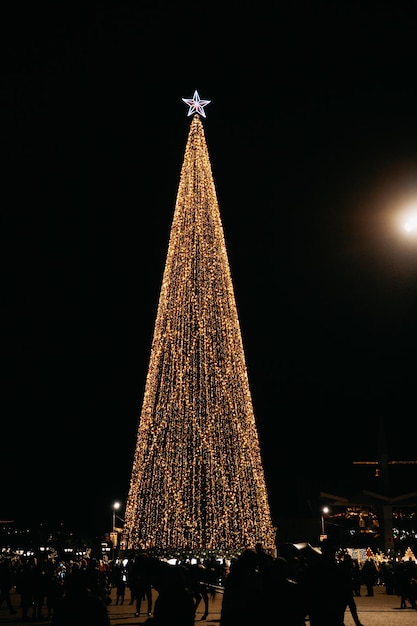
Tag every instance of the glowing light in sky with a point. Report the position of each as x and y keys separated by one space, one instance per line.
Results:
x=410 y=224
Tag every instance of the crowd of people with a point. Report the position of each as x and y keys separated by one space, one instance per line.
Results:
x=78 y=591
x=292 y=588
x=309 y=586
x=50 y=589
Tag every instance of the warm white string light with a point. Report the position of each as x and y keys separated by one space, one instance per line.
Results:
x=197 y=481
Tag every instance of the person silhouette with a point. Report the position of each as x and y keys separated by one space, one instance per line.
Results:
x=79 y=605
x=244 y=597
x=346 y=565
x=140 y=586
x=369 y=575
x=287 y=601
x=24 y=585
x=326 y=589
x=196 y=578
x=6 y=580
x=119 y=580
x=174 y=604
x=356 y=577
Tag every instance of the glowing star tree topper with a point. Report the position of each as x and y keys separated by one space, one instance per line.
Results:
x=196 y=104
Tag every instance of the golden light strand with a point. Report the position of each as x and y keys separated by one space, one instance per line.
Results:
x=197 y=481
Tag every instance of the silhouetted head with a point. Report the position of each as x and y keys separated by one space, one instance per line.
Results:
x=281 y=568
x=248 y=559
x=328 y=549
x=75 y=581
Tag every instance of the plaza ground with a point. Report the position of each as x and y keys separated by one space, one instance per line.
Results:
x=380 y=610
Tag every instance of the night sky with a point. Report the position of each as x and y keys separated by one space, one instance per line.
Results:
x=312 y=135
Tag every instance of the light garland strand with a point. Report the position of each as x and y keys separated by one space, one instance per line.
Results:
x=197 y=481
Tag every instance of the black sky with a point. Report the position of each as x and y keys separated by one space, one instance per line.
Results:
x=312 y=135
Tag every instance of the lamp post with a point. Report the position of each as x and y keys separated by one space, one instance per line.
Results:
x=324 y=512
x=116 y=507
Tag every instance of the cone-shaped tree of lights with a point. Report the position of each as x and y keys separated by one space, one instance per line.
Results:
x=197 y=481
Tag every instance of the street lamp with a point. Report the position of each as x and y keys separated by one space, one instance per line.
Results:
x=324 y=512
x=116 y=507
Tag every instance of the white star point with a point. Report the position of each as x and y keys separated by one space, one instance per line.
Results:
x=196 y=105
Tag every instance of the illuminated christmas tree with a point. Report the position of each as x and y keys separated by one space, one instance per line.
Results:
x=197 y=481
x=409 y=555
